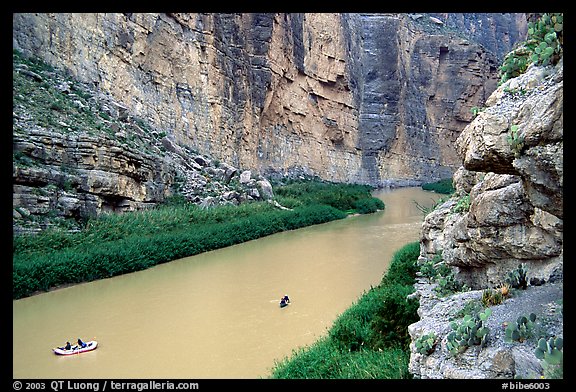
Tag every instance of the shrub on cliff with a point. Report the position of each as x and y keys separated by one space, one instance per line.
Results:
x=544 y=46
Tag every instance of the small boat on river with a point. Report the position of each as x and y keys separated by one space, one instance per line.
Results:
x=284 y=301
x=91 y=345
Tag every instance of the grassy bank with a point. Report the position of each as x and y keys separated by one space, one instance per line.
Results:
x=116 y=244
x=443 y=186
x=368 y=340
x=350 y=198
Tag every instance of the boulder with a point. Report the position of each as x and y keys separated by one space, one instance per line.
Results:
x=245 y=177
x=506 y=211
x=265 y=189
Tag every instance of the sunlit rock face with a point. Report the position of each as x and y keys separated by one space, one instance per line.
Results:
x=507 y=211
x=369 y=98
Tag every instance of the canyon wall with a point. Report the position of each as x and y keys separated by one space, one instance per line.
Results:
x=507 y=212
x=368 y=98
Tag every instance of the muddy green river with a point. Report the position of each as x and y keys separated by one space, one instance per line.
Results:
x=216 y=315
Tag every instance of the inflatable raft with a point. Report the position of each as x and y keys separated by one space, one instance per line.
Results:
x=91 y=345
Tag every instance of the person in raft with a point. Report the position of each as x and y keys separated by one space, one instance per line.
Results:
x=81 y=344
x=66 y=347
x=286 y=299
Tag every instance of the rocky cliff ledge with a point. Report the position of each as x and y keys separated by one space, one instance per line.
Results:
x=369 y=98
x=507 y=211
x=78 y=153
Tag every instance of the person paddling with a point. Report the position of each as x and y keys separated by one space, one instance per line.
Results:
x=284 y=301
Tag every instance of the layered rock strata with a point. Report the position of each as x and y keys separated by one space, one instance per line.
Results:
x=370 y=98
x=515 y=194
x=77 y=154
x=507 y=211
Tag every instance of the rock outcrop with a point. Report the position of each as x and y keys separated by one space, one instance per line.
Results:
x=369 y=98
x=499 y=358
x=515 y=206
x=507 y=210
x=77 y=154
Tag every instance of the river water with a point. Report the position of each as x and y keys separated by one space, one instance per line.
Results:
x=216 y=315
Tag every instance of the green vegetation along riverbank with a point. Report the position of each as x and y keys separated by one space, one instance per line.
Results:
x=115 y=244
x=443 y=186
x=368 y=340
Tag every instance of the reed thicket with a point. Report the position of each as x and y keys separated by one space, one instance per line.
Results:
x=114 y=244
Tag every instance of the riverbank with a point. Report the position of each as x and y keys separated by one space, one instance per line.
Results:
x=121 y=243
x=216 y=315
x=370 y=339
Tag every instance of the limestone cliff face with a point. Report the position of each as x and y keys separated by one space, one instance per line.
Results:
x=416 y=91
x=515 y=194
x=77 y=154
x=365 y=98
x=496 y=32
x=507 y=210
x=254 y=90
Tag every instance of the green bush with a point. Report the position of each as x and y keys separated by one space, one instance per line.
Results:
x=444 y=186
x=428 y=271
x=436 y=270
x=368 y=205
x=463 y=204
x=288 y=202
x=324 y=360
x=378 y=320
x=381 y=316
x=109 y=227
x=491 y=297
x=403 y=267
x=390 y=323
x=426 y=343
x=344 y=197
